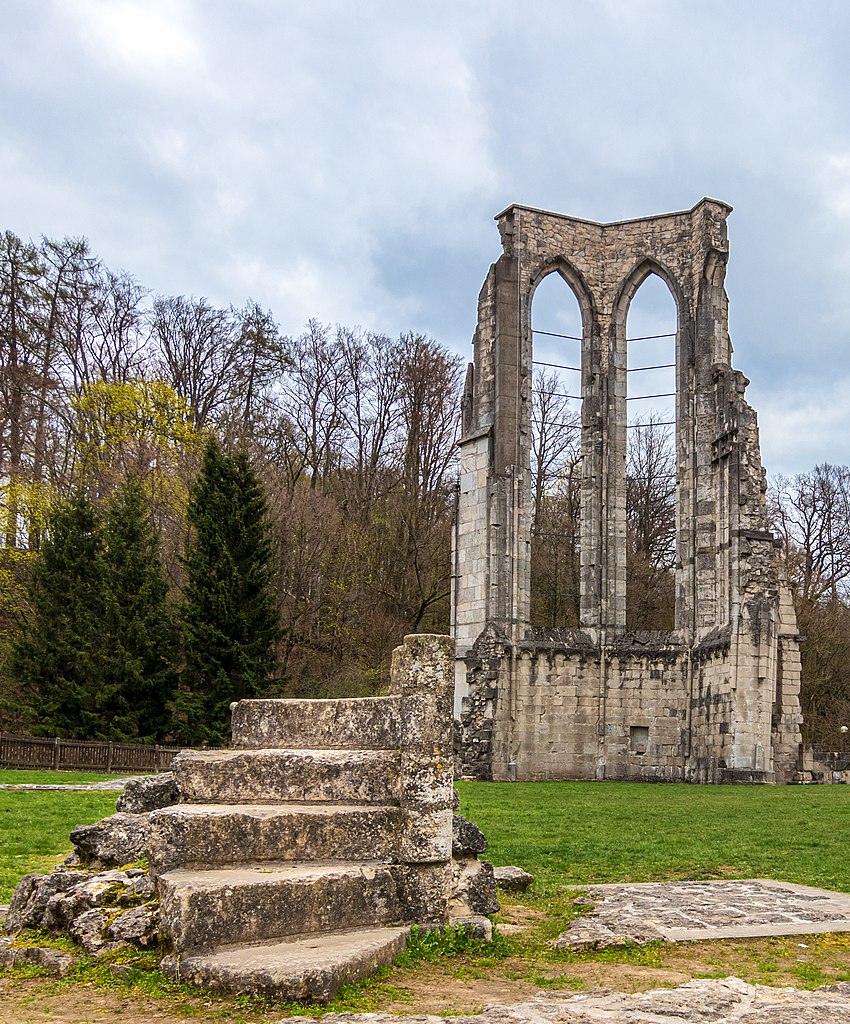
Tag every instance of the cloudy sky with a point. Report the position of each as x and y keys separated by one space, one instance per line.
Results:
x=344 y=160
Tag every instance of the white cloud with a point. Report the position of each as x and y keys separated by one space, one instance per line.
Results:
x=147 y=38
x=831 y=180
x=345 y=160
x=802 y=427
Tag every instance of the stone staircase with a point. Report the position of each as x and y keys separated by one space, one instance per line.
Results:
x=299 y=859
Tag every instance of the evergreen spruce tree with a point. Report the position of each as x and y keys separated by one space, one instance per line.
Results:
x=141 y=638
x=59 y=655
x=230 y=617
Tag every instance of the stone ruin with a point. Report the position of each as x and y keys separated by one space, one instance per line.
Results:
x=289 y=864
x=718 y=698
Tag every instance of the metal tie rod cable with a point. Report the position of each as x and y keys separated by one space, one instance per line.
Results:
x=559 y=366
x=650 y=337
x=556 y=394
x=656 y=423
x=640 y=398
x=553 y=334
x=572 y=337
x=577 y=369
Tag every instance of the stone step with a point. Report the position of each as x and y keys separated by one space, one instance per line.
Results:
x=275 y=776
x=219 y=835
x=206 y=909
x=310 y=969
x=351 y=723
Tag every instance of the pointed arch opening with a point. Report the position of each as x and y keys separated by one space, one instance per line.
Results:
x=557 y=330
x=651 y=329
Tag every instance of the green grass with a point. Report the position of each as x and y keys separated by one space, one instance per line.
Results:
x=46 y=777
x=586 y=832
x=566 y=833
x=34 y=828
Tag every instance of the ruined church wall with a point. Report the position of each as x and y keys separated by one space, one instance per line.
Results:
x=719 y=699
x=712 y=712
x=470 y=542
x=547 y=713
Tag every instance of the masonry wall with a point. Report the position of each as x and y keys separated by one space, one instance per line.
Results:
x=645 y=709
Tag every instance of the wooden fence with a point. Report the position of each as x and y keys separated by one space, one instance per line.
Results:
x=86 y=755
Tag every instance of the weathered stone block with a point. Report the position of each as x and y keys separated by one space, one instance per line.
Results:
x=148 y=793
x=466 y=837
x=268 y=776
x=33 y=893
x=209 y=835
x=355 y=723
x=112 y=842
x=207 y=909
x=299 y=969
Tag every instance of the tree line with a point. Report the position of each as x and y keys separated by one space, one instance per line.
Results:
x=110 y=398
x=810 y=513
x=350 y=436
x=102 y=651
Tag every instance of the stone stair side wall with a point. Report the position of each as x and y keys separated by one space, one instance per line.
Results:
x=423 y=674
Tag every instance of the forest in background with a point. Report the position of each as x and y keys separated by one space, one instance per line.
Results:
x=350 y=434
x=352 y=438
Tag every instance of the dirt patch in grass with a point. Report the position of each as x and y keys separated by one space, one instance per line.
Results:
x=429 y=990
x=29 y=1001
x=464 y=984
x=469 y=991
x=41 y=1001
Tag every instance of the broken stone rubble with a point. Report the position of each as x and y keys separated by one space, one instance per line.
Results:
x=52 y=960
x=112 y=842
x=513 y=879
x=99 y=911
x=148 y=793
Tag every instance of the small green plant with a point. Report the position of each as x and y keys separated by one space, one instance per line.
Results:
x=437 y=944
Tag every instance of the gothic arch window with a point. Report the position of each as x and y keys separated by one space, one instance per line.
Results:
x=556 y=408
x=651 y=327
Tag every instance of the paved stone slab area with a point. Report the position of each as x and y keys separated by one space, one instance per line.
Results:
x=684 y=911
x=698 y=1002
x=109 y=784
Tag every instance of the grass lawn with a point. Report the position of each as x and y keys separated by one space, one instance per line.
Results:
x=585 y=832
x=46 y=777
x=566 y=833
x=34 y=827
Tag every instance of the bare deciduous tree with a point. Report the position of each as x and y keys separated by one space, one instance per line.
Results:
x=650 y=526
x=556 y=503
